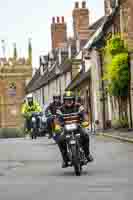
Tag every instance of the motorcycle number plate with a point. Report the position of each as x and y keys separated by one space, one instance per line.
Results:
x=71 y=127
x=72 y=142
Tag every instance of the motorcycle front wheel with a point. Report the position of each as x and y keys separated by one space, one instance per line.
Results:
x=33 y=134
x=76 y=161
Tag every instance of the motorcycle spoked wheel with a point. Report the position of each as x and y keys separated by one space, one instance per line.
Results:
x=33 y=134
x=76 y=161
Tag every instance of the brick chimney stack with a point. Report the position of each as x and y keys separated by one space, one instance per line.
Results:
x=63 y=20
x=53 y=20
x=84 y=4
x=76 y=4
x=58 y=20
x=58 y=32
x=81 y=21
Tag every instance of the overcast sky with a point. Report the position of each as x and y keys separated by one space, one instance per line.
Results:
x=20 y=20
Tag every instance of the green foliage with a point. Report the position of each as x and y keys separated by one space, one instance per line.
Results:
x=118 y=75
x=120 y=123
x=116 y=45
x=11 y=133
x=116 y=72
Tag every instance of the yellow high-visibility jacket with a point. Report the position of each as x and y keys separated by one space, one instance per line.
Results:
x=28 y=110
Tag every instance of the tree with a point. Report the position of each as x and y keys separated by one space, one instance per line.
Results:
x=117 y=73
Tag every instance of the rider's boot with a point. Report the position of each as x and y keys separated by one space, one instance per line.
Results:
x=88 y=155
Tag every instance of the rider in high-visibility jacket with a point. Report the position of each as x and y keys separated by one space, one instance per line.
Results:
x=28 y=108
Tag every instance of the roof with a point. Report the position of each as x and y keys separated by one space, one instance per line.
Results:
x=82 y=76
x=39 y=81
x=98 y=37
x=97 y=24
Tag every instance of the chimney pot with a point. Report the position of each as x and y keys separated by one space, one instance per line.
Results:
x=58 y=20
x=83 y=4
x=76 y=4
x=53 y=20
x=63 y=20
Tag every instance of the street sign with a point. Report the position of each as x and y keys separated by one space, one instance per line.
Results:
x=12 y=89
x=11 y=92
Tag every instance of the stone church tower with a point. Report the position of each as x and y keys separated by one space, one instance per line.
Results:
x=15 y=73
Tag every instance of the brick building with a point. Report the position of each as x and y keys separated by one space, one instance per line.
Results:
x=15 y=73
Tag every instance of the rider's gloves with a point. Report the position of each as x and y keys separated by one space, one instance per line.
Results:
x=85 y=124
x=57 y=128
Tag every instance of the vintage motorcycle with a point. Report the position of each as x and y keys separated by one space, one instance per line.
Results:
x=75 y=152
x=35 y=124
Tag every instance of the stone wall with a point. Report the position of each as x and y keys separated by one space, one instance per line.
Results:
x=12 y=93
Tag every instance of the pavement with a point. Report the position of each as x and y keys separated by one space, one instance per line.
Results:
x=124 y=135
x=31 y=169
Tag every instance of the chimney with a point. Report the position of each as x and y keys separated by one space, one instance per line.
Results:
x=83 y=4
x=81 y=21
x=53 y=20
x=58 y=20
x=58 y=32
x=76 y=4
x=63 y=20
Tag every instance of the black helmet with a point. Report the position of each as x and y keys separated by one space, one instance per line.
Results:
x=56 y=97
x=69 y=95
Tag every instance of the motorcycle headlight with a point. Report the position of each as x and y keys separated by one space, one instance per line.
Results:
x=33 y=119
x=43 y=119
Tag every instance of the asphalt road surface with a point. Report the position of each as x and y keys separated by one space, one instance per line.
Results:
x=31 y=170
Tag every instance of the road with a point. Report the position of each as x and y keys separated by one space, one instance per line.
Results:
x=31 y=170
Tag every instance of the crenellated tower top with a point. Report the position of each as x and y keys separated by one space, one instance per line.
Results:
x=15 y=60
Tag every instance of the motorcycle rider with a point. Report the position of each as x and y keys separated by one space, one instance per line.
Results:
x=50 y=111
x=70 y=106
x=28 y=107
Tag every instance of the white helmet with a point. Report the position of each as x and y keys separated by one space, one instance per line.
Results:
x=29 y=96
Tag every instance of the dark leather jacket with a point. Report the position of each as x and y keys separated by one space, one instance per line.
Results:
x=75 y=108
x=52 y=109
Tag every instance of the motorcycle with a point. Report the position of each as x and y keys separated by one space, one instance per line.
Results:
x=43 y=125
x=35 y=124
x=72 y=135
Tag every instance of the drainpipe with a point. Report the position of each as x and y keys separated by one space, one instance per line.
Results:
x=129 y=91
x=90 y=105
x=103 y=91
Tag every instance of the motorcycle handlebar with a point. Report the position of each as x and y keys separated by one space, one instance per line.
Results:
x=70 y=114
x=37 y=114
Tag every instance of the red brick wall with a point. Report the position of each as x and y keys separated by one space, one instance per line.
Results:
x=81 y=22
x=58 y=33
